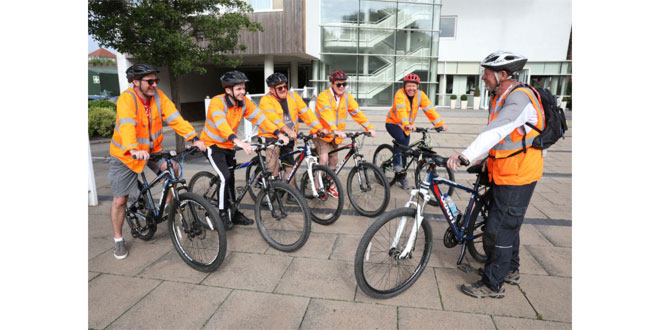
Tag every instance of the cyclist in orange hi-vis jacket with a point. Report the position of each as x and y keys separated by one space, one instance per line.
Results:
x=224 y=115
x=400 y=121
x=332 y=107
x=141 y=111
x=283 y=108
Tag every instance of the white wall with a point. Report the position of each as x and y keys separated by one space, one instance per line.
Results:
x=537 y=29
x=312 y=28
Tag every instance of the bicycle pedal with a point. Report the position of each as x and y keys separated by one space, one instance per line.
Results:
x=465 y=268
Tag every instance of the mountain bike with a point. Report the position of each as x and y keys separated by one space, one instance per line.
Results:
x=366 y=185
x=284 y=227
x=384 y=155
x=194 y=225
x=393 y=252
x=324 y=209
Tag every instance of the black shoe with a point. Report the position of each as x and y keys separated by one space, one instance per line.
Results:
x=291 y=200
x=480 y=290
x=240 y=219
x=224 y=217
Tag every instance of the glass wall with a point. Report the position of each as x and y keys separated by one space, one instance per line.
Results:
x=377 y=43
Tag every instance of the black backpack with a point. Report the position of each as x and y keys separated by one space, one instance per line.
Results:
x=555 y=120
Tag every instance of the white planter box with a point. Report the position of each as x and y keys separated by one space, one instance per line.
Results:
x=476 y=102
x=452 y=104
x=463 y=104
x=563 y=105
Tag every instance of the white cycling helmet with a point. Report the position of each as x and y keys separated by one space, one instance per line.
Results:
x=506 y=61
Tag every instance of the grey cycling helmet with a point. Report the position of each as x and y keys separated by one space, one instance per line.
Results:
x=275 y=79
x=232 y=78
x=502 y=60
x=139 y=70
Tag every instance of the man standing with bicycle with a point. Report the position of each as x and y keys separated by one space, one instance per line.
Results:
x=224 y=115
x=141 y=111
x=283 y=109
x=400 y=120
x=513 y=165
x=332 y=107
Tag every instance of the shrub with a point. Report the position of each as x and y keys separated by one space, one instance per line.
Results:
x=464 y=97
x=102 y=104
x=477 y=92
x=453 y=97
x=101 y=121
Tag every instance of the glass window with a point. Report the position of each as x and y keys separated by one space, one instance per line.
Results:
x=374 y=94
x=376 y=68
x=338 y=39
x=339 y=11
x=448 y=27
x=346 y=63
x=376 y=41
x=417 y=43
x=265 y=4
x=378 y=14
x=412 y=16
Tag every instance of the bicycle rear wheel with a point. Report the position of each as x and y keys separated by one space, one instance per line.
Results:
x=324 y=209
x=378 y=270
x=368 y=190
x=383 y=157
x=196 y=232
x=137 y=218
x=442 y=172
x=205 y=184
x=285 y=227
x=477 y=226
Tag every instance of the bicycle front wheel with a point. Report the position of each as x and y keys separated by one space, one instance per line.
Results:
x=196 y=232
x=442 y=172
x=283 y=217
x=324 y=208
x=205 y=184
x=380 y=270
x=476 y=227
x=383 y=157
x=368 y=190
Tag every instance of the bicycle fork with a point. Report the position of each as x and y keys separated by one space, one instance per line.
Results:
x=419 y=217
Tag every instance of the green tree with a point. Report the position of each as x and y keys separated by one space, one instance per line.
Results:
x=181 y=35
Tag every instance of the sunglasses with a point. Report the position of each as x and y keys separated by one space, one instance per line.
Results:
x=282 y=88
x=151 y=81
x=341 y=84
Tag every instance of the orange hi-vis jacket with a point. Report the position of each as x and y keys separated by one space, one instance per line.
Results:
x=333 y=117
x=403 y=113
x=297 y=108
x=134 y=130
x=527 y=165
x=223 y=118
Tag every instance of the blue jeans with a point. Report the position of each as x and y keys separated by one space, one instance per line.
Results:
x=502 y=234
x=401 y=138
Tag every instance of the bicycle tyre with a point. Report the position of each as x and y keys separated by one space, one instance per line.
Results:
x=204 y=246
x=420 y=172
x=253 y=167
x=383 y=160
x=140 y=228
x=275 y=236
x=476 y=226
x=204 y=184
x=368 y=250
x=378 y=180
x=320 y=215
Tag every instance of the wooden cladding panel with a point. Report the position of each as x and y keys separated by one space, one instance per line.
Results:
x=284 y=31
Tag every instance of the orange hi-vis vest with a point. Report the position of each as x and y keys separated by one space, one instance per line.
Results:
x=297 y=108
x=333 y=117
x=508 y=163
x=403 y=113
x=223 y=118
x=134 y=130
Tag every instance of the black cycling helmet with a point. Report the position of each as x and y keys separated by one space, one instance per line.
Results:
x=139 y=70
x=232 y=78
x=506 y=61
x=275 y=79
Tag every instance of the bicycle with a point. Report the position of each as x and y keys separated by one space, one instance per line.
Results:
x=285 y=228
x=384 y=155
x=194 y=226
x=322 y=207
x=364 y=194
x=393 y=252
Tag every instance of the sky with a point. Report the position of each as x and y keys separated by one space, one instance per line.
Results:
x=92 y=45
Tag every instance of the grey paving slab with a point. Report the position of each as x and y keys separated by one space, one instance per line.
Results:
x=318 y=245
x=192 y=307
x=530 y=236
x=550 y=296
x=140 y=255
x=329 y=314
x=553 y=211
x=529 y=264
x=557 y=261
x=255 y=310
x=423 y=293
x=92 y=275
x=246 y=240
x=558 y=236
x=346 y=224
x=453 y=299
x=413 y=318
x=109 y=296
x=249 y=271
x=171 y=267
x=96 y=246
x=329 y=279
x=345 y=247
x=511 y=323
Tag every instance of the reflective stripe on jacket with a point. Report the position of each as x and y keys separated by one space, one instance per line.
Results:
x=402 y=113
x=223 y=118
x=134 y=130
x=297 y=107
x=524 y=167
x=334 y=118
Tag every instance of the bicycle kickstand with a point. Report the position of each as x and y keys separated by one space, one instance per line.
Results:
x=467 y=268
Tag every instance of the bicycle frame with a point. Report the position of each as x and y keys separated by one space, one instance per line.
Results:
x=145 y=189
x=421 y=142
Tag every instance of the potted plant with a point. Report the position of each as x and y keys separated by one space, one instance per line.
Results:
x=452 y=102
x=477 y=99
x=464 y=100
x=564 y=102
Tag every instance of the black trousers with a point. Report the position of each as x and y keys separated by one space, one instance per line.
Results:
x=502 y=235
x=220 y=160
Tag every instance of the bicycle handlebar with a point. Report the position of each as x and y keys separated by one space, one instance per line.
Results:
x=171 y=154
x=356 y=134
x=428 y=129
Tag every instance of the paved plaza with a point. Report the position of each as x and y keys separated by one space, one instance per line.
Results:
x=258 y=287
